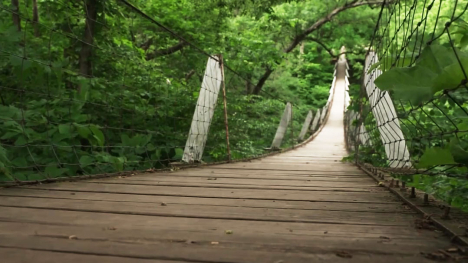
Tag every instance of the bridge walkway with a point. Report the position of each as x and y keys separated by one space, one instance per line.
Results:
x=303 y=205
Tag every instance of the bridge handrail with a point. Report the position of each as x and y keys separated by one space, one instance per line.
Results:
x=407 y=123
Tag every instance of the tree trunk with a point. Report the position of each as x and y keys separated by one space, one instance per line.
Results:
x=262 y=81
x=16 y=14
x=189 y=75
x=248 y=84
x=37 y=33
x=166 y=51
x=88 y=39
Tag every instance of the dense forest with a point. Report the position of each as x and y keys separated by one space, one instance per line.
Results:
x=94 y=86
x=102 y=86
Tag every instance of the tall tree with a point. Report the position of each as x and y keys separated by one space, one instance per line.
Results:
x=36 y=19
x=16 y=14
x=91 y=11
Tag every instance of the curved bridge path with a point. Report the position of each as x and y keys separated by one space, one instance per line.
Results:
x=300 y=206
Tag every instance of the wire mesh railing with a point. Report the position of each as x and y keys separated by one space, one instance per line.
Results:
x=76 y=100
x=411 y=116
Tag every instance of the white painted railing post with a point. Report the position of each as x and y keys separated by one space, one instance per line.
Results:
x=386 y=117
x=204 y=111
x=305 y=126
x=282 y=127
x=323 y=114
x=359 y=133
x=315 y=122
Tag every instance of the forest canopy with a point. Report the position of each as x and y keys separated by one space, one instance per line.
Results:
x=100 y=86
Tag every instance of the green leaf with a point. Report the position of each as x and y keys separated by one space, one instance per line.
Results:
x=83 y=131
x=20 y=162
x=140 y=150
x=21 y=140
x=97 y=134
x=412 y=84
x=464 y=40
x=374 y=66
x=179 y=152
x=53 y=171
x=58 y=137
x=386 y=64
x=156 y=156
x=463 y=126
x=435 y=156
x=13 y=35
x=429 y=75
x=125 y=139
x=459 y=154
x=16 y=60
x=84 y=89
x=119 y=163
x=9 y=135
x=451 y=76
x=86 y=160
x=76 y=117
x=65 y=129
x=3 y=156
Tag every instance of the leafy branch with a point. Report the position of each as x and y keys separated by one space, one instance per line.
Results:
x=314 y=27
x=330 y=51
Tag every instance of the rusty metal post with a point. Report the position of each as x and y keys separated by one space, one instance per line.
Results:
x=228 y=147
x=413 y=192
x=426 y=199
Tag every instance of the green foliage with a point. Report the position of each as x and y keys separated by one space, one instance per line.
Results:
x=452 y=190
x=131 y=107
x=425 y=74
x=436 y=156
x=437 y=68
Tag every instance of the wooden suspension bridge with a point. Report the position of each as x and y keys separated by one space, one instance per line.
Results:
x=304 y=205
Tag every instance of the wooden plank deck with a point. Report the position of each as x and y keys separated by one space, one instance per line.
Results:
x=300 y=206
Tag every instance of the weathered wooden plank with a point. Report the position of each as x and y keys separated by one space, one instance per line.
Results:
x=371 y=197
x=325 y=242
x=240 y=186
x=240 y=182
x=285 y=159
x=218 y=212
x=216 y=225
x=193 y=252
x=288 y=167
x=336 y=178
x=389 y=207
x=267 y=173
x=13 y=255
